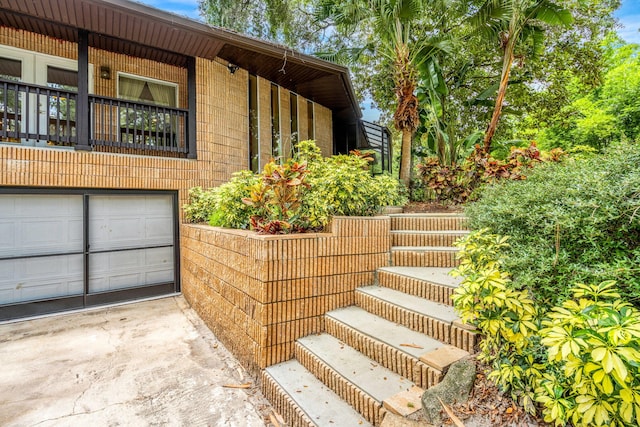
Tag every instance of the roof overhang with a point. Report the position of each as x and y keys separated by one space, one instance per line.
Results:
x=139 y=30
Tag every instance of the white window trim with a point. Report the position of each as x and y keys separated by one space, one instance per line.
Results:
x=34 y=64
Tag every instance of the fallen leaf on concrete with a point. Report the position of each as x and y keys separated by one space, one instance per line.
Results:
x=411 y=345
x=274 y=420
x=245 y=385
x=449 y=412
x=278 y=417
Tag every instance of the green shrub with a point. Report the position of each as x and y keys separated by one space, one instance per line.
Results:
x=343 y=185
x=506 y=317
x=578 y=221
x=287 y=199
x=593 y=344
x=201 y=204
x=222 y=206
x=580 y=360
x=277 y=199
x=459 y=183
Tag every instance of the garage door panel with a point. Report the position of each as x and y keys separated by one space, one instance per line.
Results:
x=120 y=222
x=45 y=267
x=118 y=270
x=38 y=224
x=29 y=279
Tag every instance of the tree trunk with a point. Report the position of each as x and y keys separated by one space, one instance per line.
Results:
x=405 y=159
x=502 y=90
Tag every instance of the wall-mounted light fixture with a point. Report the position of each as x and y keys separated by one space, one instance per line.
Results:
x=232 y=68
x=105 y=72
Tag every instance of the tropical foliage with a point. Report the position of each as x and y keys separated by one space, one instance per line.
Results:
x=575 y=221
x=300 y=195
x=391 y=27
x=575 y=363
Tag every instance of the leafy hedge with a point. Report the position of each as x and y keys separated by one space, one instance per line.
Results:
x=300 y=195
x=577 y=221
x=575 y=363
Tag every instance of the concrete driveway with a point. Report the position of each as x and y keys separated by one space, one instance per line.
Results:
x=143 y=364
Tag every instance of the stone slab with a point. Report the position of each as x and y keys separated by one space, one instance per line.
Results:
x=405 y=403
x=441 y=358
x=390 y=333
x=375 y=380
x=435 y=275
x=442 y=312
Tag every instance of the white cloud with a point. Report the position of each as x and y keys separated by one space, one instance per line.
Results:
x=629 y=31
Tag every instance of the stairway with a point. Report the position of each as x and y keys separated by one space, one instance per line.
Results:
x=382 y=353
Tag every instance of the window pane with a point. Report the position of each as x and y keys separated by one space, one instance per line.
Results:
x=254 y=147
x=10 y=100
x=60 y=78
x=293 y=101
x=10 y=69
x=310 y=120
x=276 y=143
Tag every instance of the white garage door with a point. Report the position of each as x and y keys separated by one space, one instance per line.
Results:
x=62 y=251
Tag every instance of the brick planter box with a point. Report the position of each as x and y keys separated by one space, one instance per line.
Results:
x=260 y=293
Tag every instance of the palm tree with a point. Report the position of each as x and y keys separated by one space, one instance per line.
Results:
x=390 y=22
x=514 y=22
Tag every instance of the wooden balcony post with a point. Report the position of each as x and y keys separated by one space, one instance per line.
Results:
x=82 y=103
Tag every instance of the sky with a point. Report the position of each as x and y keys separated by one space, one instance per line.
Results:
x=628 y=16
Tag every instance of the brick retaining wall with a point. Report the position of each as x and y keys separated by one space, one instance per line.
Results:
x=260 y=293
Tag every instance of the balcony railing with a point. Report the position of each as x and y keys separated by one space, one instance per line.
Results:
x=31 y=114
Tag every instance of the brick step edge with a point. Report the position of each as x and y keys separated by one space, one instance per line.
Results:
x=372 y=410
x=448 y=333
x=391 y=358
x=283 y=403
x=433 y=258
x=422 y=239
x=416 y=287
x=428 y=223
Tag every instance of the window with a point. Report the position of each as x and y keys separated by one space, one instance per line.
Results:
x=310 y=121
x=62 y=110
x=254 y=142
x=49 y=114
x=145 y=90
x=148 y=124
x=10 y=100
x=293 y=101
x=276 y=143
x=10 y=69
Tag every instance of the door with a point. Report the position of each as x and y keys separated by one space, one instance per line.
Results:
x=82 y=248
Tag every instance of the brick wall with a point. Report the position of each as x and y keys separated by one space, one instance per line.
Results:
x=260 y=293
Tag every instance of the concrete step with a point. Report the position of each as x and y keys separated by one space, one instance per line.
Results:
x=366 y=385
x=394 y=346
x=426 y=238
x=303 y=400
x=424 y=256
x=428 y=222
x=436 y=320
x=432 y=283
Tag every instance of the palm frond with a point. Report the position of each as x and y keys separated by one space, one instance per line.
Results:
x=536 y=34
x=344 y=56
x=492 y=16
x=549 y=13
